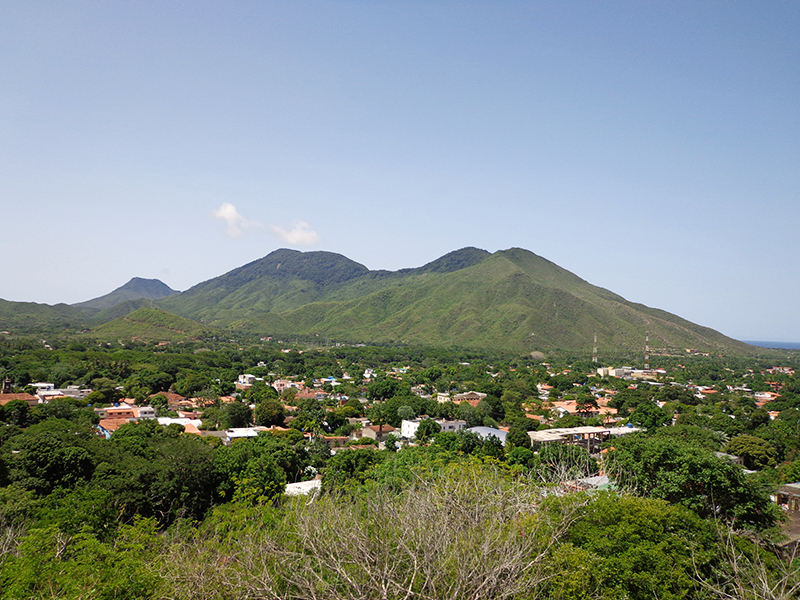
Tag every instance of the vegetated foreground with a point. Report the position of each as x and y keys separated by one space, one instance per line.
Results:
x=156 y=512
x=464 y=530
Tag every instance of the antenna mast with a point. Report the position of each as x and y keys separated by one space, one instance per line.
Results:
x=594 y=352
x=647 y=351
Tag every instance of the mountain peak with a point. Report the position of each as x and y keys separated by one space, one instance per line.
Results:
x=456 y=260
x=137 y=288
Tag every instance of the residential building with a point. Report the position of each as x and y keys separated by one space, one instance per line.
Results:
x=472 y=398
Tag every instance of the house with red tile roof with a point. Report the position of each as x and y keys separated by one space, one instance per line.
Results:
x=472 y=398
x=30 y=399
x=376 y=432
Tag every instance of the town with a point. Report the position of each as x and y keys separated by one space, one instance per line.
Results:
x=176 y=435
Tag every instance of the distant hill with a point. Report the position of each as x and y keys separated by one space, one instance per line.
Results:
x=30 y=317
x=136 y=289
x=150 y=324
x=511 y=299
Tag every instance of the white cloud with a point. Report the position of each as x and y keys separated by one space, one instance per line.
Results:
x=300 y=234
x=235 y=224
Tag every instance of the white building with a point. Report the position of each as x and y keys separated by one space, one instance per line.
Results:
x=408 y=427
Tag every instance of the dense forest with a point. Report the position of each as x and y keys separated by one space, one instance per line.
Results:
x=154 y=512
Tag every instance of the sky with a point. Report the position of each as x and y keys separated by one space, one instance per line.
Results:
x=651 y=148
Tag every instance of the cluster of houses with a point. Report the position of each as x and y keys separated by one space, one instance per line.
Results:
x=188 y=410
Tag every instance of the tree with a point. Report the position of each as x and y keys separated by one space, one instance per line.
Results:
x=382 y=389
x=648 y=415
x=16 y=413
x=755 y=452
x=683 y=474
x=237 y=414
x=269 y=412
x=563 y=462
x=426 y=430
x=350 y=467
x=53 y=453
x=262 y=481
x=586 y=401
x=406 y=412
x=191 y=384
x=160 y=404
x=391 y=442
x=629 y=547
x=108 y=388
x=517 y=438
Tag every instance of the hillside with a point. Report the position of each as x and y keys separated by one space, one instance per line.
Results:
x=149 y=324
x=282 y=280
x=511 y=299
x=30 y=317
x=136 y=289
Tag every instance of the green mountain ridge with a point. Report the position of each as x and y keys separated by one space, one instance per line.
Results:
x=30 y=317
x=511 y=299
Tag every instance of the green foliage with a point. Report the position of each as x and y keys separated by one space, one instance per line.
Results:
x=756 y=452
x=269 y=412
x=692 y=477
x=691 y=434
x=16 y=413
x=627 y=547
x=150 y=324
x=426 y=430
x=51 y=454
x=236 y=414
x=349 y=468
x=517 y=438
x=52 y=564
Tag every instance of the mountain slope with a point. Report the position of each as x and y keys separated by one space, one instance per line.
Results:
x=513 y=299
x=150 y=324
x=30 y=317
x=282 y=280
x=136 y=289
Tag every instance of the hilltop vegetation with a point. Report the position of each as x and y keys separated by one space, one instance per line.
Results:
x=151 y=324
x=32 y=318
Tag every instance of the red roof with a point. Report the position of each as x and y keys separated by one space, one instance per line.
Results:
x=6 y=398
x=112 y=424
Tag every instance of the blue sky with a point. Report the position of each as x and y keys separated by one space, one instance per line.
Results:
x=652 y=148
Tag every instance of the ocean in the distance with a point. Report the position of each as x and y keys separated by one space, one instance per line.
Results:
x=781 y=345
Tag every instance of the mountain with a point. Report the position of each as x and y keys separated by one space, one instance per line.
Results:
x=511 y=299
x=136 y=289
